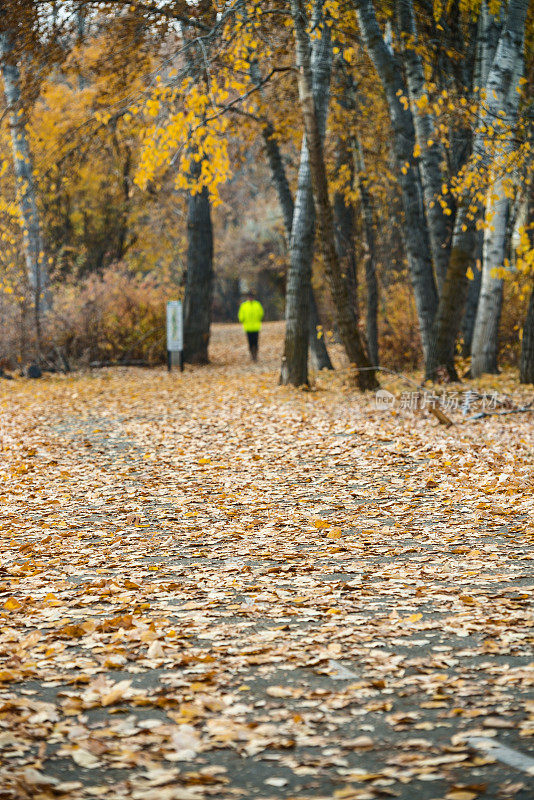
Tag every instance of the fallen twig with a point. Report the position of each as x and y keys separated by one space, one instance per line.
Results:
x=131 y=362
x=483 y=414
x=440 y=416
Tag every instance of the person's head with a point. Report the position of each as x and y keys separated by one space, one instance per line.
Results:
x=250 y=296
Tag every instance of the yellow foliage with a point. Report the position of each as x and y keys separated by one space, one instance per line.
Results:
x=193 y=135
x=525 y=250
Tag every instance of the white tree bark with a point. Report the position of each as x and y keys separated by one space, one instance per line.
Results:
x=345 y=314
x=485 y=335
x=371 y=316
x=317 y=343
x=456 y=290
x=500 y=96
x=26 y=190
x=415 y=226
x=432 y=156
x=295 y=359
x=489 y=30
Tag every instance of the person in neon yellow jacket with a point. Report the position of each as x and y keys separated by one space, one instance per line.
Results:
x=250 y=316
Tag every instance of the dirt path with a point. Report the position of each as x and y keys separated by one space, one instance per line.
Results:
x=215 y=587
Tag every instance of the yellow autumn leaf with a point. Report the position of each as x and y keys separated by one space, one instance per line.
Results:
x=116 y=693
x=467 y=599
x=12 y=604
x=334 y=534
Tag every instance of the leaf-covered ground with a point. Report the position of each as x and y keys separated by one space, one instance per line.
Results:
x=216 y=587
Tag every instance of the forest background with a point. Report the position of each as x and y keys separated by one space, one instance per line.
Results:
x=364 y=166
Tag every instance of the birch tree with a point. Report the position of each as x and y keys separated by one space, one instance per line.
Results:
x=489 y=28
x=415 y=227
x=432 y=156
x=500 y=66
x=456 y=291
x=501 y=103
x=36 y=267
x=285 y=198
x=294 y=368
x=371 y=316
x=526 y=363
x=345 y=314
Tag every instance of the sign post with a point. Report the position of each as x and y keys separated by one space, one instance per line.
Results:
x=175 y=333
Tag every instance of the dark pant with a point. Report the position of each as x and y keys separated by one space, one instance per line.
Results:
x=252 y=337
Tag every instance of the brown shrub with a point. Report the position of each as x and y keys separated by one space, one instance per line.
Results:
x=15 y=344
x=113 y=316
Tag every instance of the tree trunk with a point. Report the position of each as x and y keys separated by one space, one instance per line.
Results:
x=295 y=359
x=488 y=32
x=526 y=363
x=370 y=257
x=473 y=293
x=320 y=356
x=124 y=213
x=36 y=266
x=345 y=316
x=451 y=303
x=432 y=155
x=279 y=177
x=81 y=30
x=199 y=278
x=294 y=368
x=501 y=96
x=344 y=226
x=499 y=91
x=415 y=226
x=285 y=198
x=485 y=344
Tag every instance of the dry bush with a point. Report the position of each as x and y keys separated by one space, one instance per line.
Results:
x=15 y=334
x=113 y=316
x=400 y=342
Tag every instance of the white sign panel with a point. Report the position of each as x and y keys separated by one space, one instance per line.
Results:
x=175 y=326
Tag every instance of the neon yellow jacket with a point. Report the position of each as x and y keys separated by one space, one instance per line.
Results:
x=250 y=315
